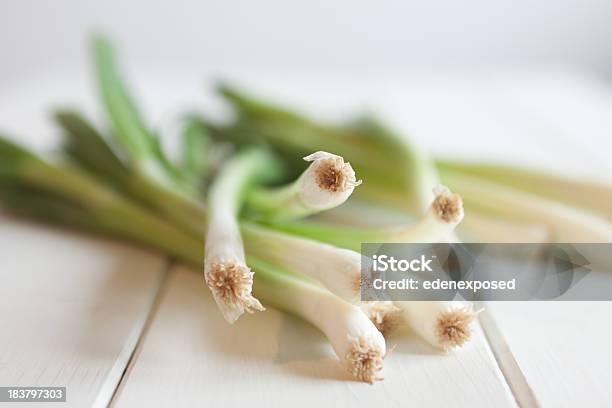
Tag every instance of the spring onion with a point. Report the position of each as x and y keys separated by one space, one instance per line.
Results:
x=196 y=152
x=326 y=183
x=140 y=144
x=589 y=195
x=27 y=181
x=566 y=223
x=385 y=315
x=338 y=269
x=355 y=339
x=444 y=214
x=443 y=324
x=87 y=147
x=376 y=156
x=478 y=227
x=227 y=275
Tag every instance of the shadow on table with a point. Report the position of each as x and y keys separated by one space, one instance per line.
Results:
x=187 y=318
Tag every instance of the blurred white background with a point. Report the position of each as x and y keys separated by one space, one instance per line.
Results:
x=37 y=35
x=502 y=74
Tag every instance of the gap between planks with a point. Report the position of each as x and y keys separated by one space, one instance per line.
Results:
x=115 y=378
x=516 y=380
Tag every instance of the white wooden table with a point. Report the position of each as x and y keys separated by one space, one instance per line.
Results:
x=118 y=325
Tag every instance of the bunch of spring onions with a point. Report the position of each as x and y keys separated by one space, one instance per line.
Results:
x=256 y=219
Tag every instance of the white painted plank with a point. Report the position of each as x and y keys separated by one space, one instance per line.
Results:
x=191 y=356
x=71 y=309
x=562 y=348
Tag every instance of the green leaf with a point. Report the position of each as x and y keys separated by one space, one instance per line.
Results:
x=127 y=122
x=85 y=145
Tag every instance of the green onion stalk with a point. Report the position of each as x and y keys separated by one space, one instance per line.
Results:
x=225 y=270
x=327 y=183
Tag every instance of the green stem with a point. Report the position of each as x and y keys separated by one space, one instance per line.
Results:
x=568 y=223
x=279 y=202
x=249 y=167
x=142 y=147
x=98 y=208
x=196 y=146
x=593 y=196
